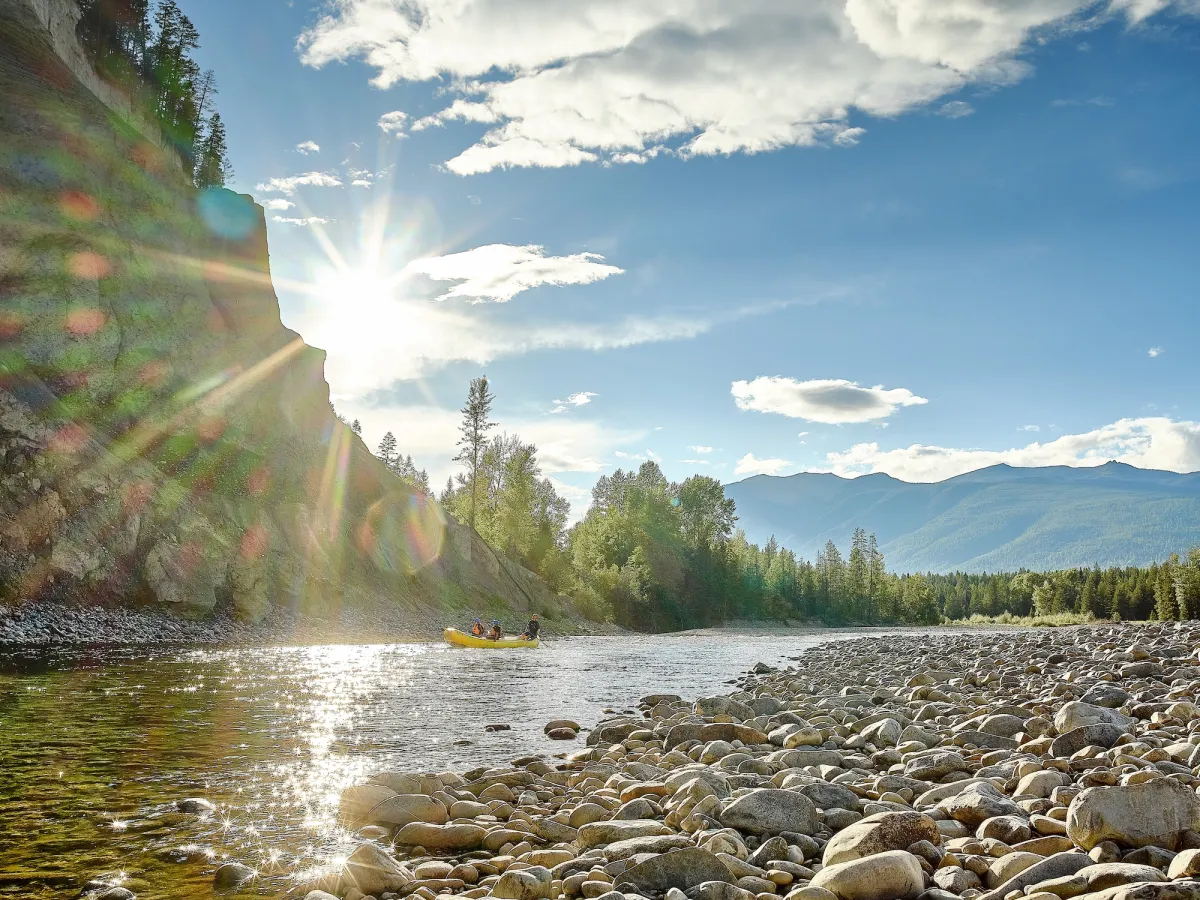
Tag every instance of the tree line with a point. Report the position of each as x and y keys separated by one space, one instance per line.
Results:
x=653 y=554
x=146 y=48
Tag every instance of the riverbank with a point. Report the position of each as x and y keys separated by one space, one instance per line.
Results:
x=33 y=625
x=1051 y=764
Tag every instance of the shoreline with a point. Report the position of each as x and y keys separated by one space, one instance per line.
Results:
x=944 y=765
x=50 y=626
x=54 y=626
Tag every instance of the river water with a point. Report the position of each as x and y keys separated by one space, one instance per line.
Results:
x=96 y=747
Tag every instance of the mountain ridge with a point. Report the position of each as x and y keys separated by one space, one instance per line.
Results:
x=998 y=517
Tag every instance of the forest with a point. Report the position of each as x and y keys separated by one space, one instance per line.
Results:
x=656 y=555
x=145 y=48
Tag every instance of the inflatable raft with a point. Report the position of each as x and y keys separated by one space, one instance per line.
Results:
x=461 y=639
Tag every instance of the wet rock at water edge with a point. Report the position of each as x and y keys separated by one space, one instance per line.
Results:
x=232 y=875
x=497 y=726
x=196 y=806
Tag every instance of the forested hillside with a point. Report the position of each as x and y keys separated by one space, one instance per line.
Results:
x=999 y=518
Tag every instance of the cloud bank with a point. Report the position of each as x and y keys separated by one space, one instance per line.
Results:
x=1149 y=443
x=616 y=81
x=752 y=465
x=288 y=185
x=498 y=272
x=831 y=401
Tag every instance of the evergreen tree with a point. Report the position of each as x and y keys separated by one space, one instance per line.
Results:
x=387 y=449
x=1166 y=608
x=356 y=427
x=213 y=168
x=473 y=435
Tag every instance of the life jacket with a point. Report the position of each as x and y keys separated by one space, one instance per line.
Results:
x=495 y=633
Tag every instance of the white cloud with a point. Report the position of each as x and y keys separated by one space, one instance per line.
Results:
x=374 y=340
x=701 y=449
x=475 y=201
x=360 y=182
x=309 y=220
x=751 y=465
x=278 y=204
x=288 y=185
x=956 y=109
x=1154 y=351
x=581 y=398
x=308 y=147
x=1150 y=443
x=832 y=401
x=393 y=123
x=601 y=80
x=499 y=272
x=1030 y=428
x=697 y=462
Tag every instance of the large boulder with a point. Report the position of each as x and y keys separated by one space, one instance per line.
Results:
x=770 y=811
x=1076 y=714
x=1154 y=813
x=891 y=875
x=682 y=869
x=878 y=834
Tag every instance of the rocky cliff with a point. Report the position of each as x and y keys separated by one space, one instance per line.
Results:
x=164 y=439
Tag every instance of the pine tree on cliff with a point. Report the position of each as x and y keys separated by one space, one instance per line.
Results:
x=212 y=156
x=473 y=430
x=356 y=427
x=387 y=449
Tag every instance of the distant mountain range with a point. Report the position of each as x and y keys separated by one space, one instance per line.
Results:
x=998 y=518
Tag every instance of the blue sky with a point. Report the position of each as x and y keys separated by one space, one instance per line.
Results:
x=762 y=236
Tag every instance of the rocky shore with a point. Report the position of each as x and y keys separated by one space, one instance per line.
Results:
x=31 y=625
x=1050 y=765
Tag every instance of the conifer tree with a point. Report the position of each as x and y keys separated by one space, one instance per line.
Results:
x=473 y=437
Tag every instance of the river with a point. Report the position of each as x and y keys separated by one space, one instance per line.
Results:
x=96 y=747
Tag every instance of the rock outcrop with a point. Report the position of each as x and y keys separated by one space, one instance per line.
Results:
x=164 y=440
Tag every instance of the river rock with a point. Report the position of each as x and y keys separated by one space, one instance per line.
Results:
x=936 y=764
x=1056 y=866
x=195 y=805
x=523 y=884
x=357 y=802
x=681 y=869
x=890 y=875
x=404 y=808
x=885 y=733
x=1106 y=875
x=829 y=796
x=980 y=802
x=232 y=875
x=771 y=810
x=1102 y=734
x=880 y=833
x=598 y=833
x=441 y=838
x=718 y=890
x=370 y=870
x=1076 y=714
x=1151 y=813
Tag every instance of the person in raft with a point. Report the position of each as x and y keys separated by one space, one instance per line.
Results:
x=477 y=628
x=496 y=632
x=531 y=630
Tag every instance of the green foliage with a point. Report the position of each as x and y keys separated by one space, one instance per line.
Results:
x=147 y=49
x=473 y=438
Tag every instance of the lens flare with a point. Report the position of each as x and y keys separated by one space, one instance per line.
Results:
x=403 y=533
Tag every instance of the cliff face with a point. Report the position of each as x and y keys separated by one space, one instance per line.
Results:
x=164 y=439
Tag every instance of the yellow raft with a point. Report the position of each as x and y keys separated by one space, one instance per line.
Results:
x=458 y=638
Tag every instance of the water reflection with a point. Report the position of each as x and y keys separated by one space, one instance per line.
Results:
x=96 y=748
